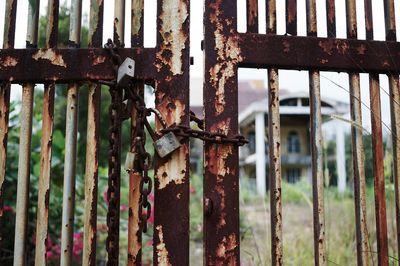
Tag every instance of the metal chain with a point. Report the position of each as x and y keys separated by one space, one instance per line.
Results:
x=114 y=162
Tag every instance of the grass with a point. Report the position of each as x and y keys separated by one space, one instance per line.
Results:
x=298 y=227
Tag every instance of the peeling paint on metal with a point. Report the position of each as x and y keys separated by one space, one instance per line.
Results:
x=51 y=55
x=162 y=252
x=8 y=61
x=98 y=60
x=227 y=245
x=174 y=169
x=172 y=18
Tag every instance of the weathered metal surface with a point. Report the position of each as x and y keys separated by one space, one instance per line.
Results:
x=44 y=178
x=357 y=147
x=316 y=147
x=331 y=18
x=252 y=16
x=171 y=203
x=221 y=174
x=119 y=21
x=22 y=204
x=21 y=216
x=275 y=168
x=295 y=52
x=275 y=179
x=46 y=145
x=8 y=42
x=377 y=150
x=92 y=144
x=64 y=65
x=394 y=88
x=134 y=225
x=71 y=130
x=91 y=175
x=291 y=17
x=137 y=23
x=71 y=133
x=378 y=171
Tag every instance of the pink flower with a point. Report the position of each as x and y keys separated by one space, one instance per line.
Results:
x=105 y=195
x=123 y=208
x=149 y=243
x=192 y=189
x=8 y=208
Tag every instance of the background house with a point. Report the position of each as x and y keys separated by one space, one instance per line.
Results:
x=295 y=134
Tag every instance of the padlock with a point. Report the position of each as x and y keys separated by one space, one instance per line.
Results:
x=126 y=72
x=166 y=144
x=129 y=162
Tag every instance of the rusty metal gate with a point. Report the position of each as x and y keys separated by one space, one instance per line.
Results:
x=166 y=67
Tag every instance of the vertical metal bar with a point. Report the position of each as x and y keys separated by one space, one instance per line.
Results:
x=67 y=227
x=91 y=175
x=379 y=177
x=252 y=16
x=171 y=186
x=114 y=170
x=46 y=148
x=92 y=143
x=316 y=147
x=291 y=17
x=394 y=88
x=21 y=218
x=119 y=22
x=331 y=18
x=137 y=21
x=377 y=147
x=275 y=178
x=134 y=226
x=221 y=180
x=8 y=43
x=357 y=147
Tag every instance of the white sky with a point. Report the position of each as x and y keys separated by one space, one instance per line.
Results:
x=290 y=80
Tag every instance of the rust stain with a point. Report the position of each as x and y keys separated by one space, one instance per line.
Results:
x=227 y=246
x=137 y=10
x=174 y=169
x=171 y=109
x=327 y=47
x=221 y=127
x=8 y=61
x=361 y=49
x=252 y=12
x=162 y=252
x=228 y=56
x=173 y=17
x=51 y=55
x=98 y=60
x=218 y=167
x=286 y=46
x=222 y=214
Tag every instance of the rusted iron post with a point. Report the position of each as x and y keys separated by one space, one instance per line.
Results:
x=252 y=16
x=358 y=155
x=316 y=147
x=67 y=227
x=46 y=144
x=394 y=88
x=377 y=150
x=171 y=203
x=8 y=43
x=291 y=17
x=134 y=226
x=275 y=178
x=221 y=174
x=21 y=218
x=331 y=18
x=92 y=143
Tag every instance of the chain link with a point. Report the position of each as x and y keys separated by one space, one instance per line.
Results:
x=142 y=158
x=114 y=162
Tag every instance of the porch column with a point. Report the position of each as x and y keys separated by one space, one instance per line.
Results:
x=260 y=154
x=340 y=159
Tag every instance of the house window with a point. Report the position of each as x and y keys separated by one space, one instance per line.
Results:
x=293 y=175
x=293 y=142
